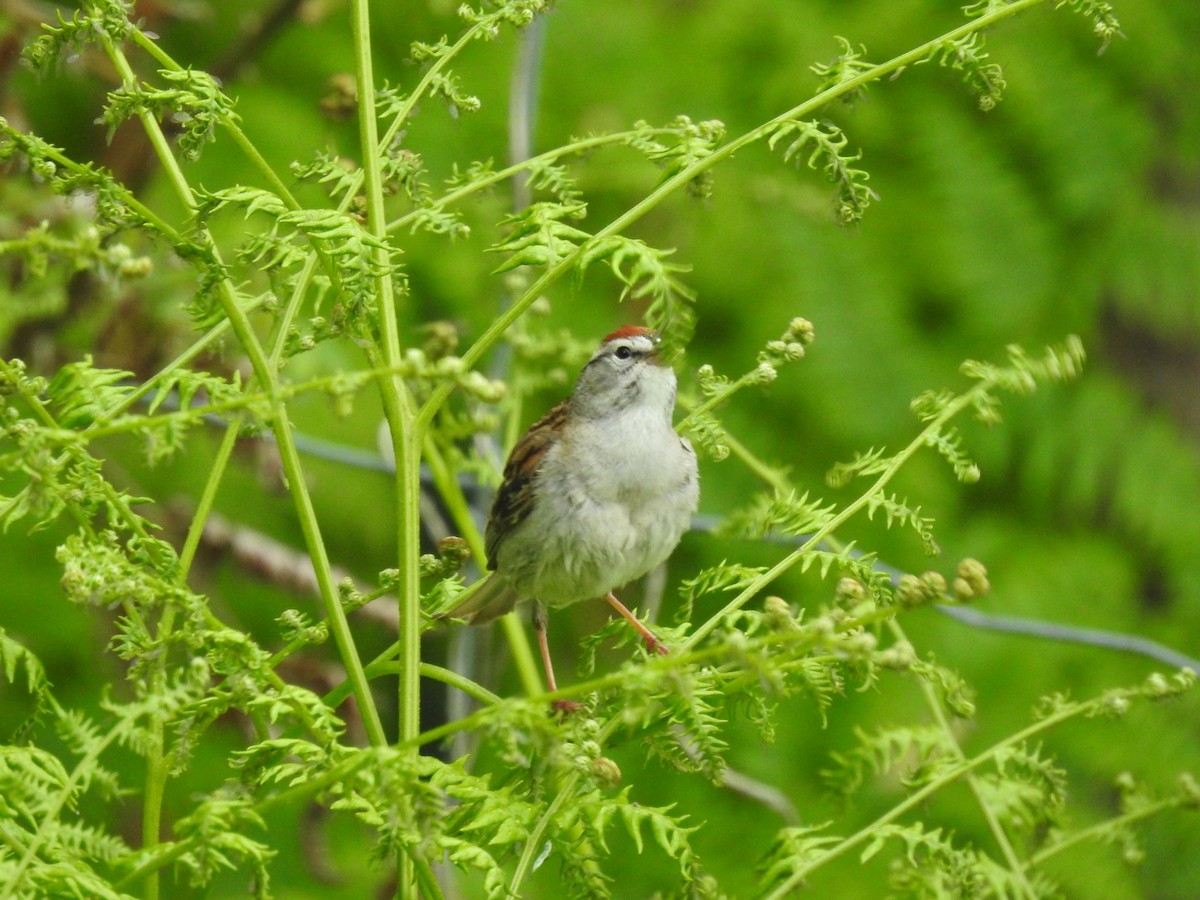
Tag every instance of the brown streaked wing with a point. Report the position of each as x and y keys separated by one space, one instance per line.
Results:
x=514 y=500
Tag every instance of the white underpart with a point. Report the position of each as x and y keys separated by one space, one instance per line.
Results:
x=616 y=515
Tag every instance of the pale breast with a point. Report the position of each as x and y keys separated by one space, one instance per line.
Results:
x=613 y=502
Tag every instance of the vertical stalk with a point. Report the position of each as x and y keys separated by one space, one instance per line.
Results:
x=398 y=408
x=1015 y=864
x=156 y=768
x=281 y=424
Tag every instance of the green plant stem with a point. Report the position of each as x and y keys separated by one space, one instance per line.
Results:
x=620 y=677
x=156 y=769
x=450 y=490
x=155 y=221
x=85 y=766
x=533 y=844
x=566 y=792
x=493 y=178
x=199 y=346
x=390 y=667
x=918 y=797
x=1015 y=865
x=685 y=176
x=248 y=398
x=243 y=143
x=1105 y=829
x=302 y=791
x=965 y=401
x=771 y=476
x=717 y=398
x=405 y=433
x=289 y=456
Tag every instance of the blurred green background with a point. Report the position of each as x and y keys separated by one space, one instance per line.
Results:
x=1073 y=207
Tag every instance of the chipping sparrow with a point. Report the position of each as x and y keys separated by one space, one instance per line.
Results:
x=597 y=493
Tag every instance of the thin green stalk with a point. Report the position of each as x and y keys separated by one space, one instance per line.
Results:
x=771 y=476
x=289 y=456
x=156 y=222
x=303 y=791
x=246 y=399
x=1015 y=865
x=292 y=309
x=466 y=685
x=1104 y=829
x=848 y=512
x=918 y=797
x=389 y=666
x=199 y=346
x=85 y=766
x=251 y=152
x=451 y=493
x=406 y=440
x=717 y=399
x=533 y=844
x=493 y=178
x=156 y=768
x=566 y=791
x=231 y=126
x=707 y=655
x=687 y=175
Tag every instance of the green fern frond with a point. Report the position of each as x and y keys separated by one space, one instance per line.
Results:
x=695 y=743
x=15 y=658
x=916 y=753
x=722 y=577
x=647 y=274
x=846 y=66
x=966 y=55
x=898 y=512
x=540 y=236
x=99 y=20
x=81 y=393
x=790 y=513
x=795 y=849
x=825 y=145
x=194 y=101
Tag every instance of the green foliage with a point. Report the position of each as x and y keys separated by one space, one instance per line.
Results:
x=355 y=278
x=826 y=148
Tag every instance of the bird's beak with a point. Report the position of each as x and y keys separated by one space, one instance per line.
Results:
x=656 y=355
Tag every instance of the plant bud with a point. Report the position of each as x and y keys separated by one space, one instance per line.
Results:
x=605 y=771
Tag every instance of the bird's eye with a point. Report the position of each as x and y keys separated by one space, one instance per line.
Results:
x=623 y=352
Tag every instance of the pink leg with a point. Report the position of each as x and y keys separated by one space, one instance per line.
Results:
x=539 y=628
x=652 y=643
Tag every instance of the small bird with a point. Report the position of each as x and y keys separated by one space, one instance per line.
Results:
x=597 y=492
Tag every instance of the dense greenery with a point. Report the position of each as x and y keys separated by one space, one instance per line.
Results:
x=212 y=296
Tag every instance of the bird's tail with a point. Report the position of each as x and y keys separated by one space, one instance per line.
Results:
x=487 y=599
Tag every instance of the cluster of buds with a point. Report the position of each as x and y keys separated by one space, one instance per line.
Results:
x=350 y=596
x=788 y=348
x=778 y=613
x=418 y=364
x=452 y=554
x=1159 y=687
x=586 y=754
x=441 y=339
x=852 y=600
x=849 y=593
x=296 y=626
x=917 y=590
x=899 y=657
x=971 y=581
x=120 y=259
